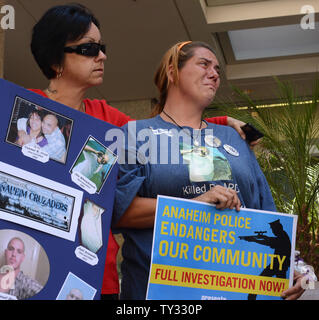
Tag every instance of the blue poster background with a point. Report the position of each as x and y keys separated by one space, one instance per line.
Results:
x=60 y=252
x=259 y=221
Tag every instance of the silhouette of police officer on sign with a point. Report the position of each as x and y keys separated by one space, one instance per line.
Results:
x=282 y=245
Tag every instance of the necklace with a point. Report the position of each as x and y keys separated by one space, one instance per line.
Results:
x=82 y=107
x=195 y=140
x=48 y=91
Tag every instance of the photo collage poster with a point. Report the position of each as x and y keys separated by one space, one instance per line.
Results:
x=57 y=185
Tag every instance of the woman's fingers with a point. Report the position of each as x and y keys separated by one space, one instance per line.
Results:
x=225 y=198
x=221 y=197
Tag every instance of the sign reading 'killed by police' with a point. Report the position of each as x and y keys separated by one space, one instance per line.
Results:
x=200 y=252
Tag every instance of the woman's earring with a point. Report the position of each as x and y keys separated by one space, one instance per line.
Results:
x=59 y=74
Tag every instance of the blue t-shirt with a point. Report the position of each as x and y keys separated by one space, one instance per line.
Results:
x=161 y=159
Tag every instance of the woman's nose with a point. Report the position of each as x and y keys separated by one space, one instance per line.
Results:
x=102 y=56
x=213 y=73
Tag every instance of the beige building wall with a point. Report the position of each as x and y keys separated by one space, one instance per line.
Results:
x=1 y=52
x=1 y=45
x=136 y=109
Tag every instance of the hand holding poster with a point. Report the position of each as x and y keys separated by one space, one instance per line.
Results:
x=200 y=252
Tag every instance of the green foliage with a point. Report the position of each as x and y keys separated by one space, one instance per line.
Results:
x=285 y=156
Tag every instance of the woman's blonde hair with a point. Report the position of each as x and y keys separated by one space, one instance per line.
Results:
x=174 y=58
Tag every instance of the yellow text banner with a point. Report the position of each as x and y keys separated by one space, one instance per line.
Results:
x=214 y=280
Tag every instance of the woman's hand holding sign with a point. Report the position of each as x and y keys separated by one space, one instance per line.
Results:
x=222 y=197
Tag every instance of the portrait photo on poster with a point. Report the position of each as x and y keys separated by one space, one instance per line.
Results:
x=39 y=203
x=24 y=266
x=41 y=133
x=92 y=166
x=75 y=288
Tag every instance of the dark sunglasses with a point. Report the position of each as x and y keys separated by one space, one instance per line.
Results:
x=91 y=49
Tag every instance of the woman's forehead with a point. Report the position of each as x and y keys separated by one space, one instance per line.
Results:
x=202 y=52
x=93 y=34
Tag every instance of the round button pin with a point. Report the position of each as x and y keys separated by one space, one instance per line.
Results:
x=231 y=150
x=212 y=141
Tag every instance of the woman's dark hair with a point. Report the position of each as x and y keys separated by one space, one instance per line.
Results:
x=58 y=26
x=40 y=114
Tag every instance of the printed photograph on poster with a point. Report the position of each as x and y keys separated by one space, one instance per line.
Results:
x=75 y=288
x=91 y=226
x=92 y=166
x=41 y=133
x=24 y=266
x=39 y=203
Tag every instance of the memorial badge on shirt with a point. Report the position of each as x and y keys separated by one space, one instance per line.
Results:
x=231 y=150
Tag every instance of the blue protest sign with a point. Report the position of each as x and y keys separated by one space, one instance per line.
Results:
x=200 y=252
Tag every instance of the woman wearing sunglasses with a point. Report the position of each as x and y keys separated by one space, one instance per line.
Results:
x=66 y=44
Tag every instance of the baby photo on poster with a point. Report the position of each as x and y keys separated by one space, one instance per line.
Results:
x=36 y=129
x=75 y=288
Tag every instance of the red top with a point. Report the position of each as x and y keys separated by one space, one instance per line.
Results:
x=101 y=110
x=218 y=120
